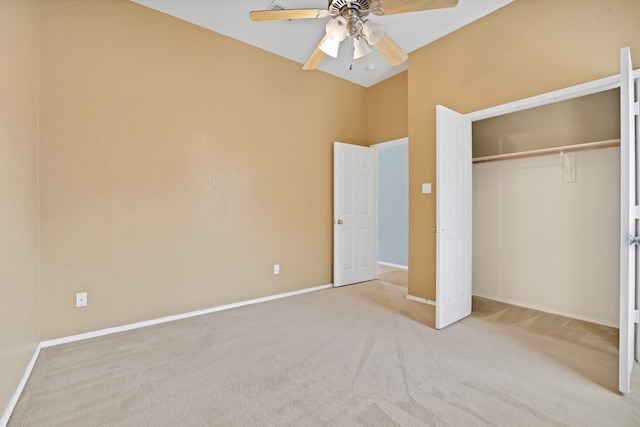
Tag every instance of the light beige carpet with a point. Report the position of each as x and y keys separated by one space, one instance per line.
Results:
x=392 y=275
x=360 y=355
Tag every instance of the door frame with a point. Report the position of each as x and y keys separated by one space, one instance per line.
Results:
x=375 y=148
x=547 y=98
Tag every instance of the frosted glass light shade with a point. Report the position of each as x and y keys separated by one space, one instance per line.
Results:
x=330 y=47
x=360 y=48
x=336 y=28
x=373 y=31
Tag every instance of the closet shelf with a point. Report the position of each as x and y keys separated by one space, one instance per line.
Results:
x=547 y=151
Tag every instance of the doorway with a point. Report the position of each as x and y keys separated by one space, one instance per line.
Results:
x=392 y=183
x=356 y=210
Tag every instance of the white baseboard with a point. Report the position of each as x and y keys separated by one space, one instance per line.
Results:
x=548 y=310
x=422 y=300
x=130 y=326
x=16 y=395
x=64 y=340
x=388 y=264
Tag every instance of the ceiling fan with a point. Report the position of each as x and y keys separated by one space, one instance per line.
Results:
x=349 y=20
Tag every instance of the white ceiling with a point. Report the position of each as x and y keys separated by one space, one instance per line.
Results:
x=296 y=39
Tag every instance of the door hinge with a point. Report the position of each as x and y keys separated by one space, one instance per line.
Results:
x=636 y=316
x=635 y=212
x=636 y=108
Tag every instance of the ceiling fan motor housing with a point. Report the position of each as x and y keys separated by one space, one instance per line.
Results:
x=354 y=12
x=360 y=8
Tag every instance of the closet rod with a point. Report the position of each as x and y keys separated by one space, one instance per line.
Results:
x=547 y=151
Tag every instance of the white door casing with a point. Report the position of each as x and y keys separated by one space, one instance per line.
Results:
x=628 y=220
x=354 y=249
x=453 y=216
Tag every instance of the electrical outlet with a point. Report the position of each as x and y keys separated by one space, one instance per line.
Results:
x=81 y=299
x=276 y=268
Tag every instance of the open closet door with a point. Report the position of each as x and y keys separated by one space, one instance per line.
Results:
x=629 y=214
x=354 y=254
x=453 y=216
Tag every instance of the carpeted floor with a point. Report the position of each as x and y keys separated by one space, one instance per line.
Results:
x=395 y=276
x=360 y=355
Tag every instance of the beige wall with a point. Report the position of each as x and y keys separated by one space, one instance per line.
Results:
x=527 y=48
x=18 y=191
x=177 y=166
x=387 y=104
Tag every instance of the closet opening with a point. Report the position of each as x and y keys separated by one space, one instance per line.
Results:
x=546 y=207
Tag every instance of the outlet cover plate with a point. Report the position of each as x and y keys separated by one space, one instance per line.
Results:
x=81 y=299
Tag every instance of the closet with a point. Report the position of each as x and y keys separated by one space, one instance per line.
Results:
x=546 y=207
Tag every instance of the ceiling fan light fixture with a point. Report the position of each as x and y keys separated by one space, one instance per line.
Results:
x=330 y=47
x=347 y=19
x=336 y=28
x=373 y=31
x=360 y=48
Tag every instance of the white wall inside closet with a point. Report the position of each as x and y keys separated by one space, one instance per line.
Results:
x=539 y=241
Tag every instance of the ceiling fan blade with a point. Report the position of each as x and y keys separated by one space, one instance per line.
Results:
x=278 y=14
x=316 y=57
x=391 y=51
x=391 y=7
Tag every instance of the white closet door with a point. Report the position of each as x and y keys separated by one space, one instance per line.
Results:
x=628 y=220
x=453 y=216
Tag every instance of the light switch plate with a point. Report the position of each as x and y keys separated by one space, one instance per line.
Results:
x=426 y=188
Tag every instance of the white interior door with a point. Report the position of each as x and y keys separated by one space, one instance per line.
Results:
x=354 y=254
x=628 y=220
x=453 y=216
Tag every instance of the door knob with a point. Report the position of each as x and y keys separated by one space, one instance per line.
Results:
x=634 y=240
x=339 y=221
